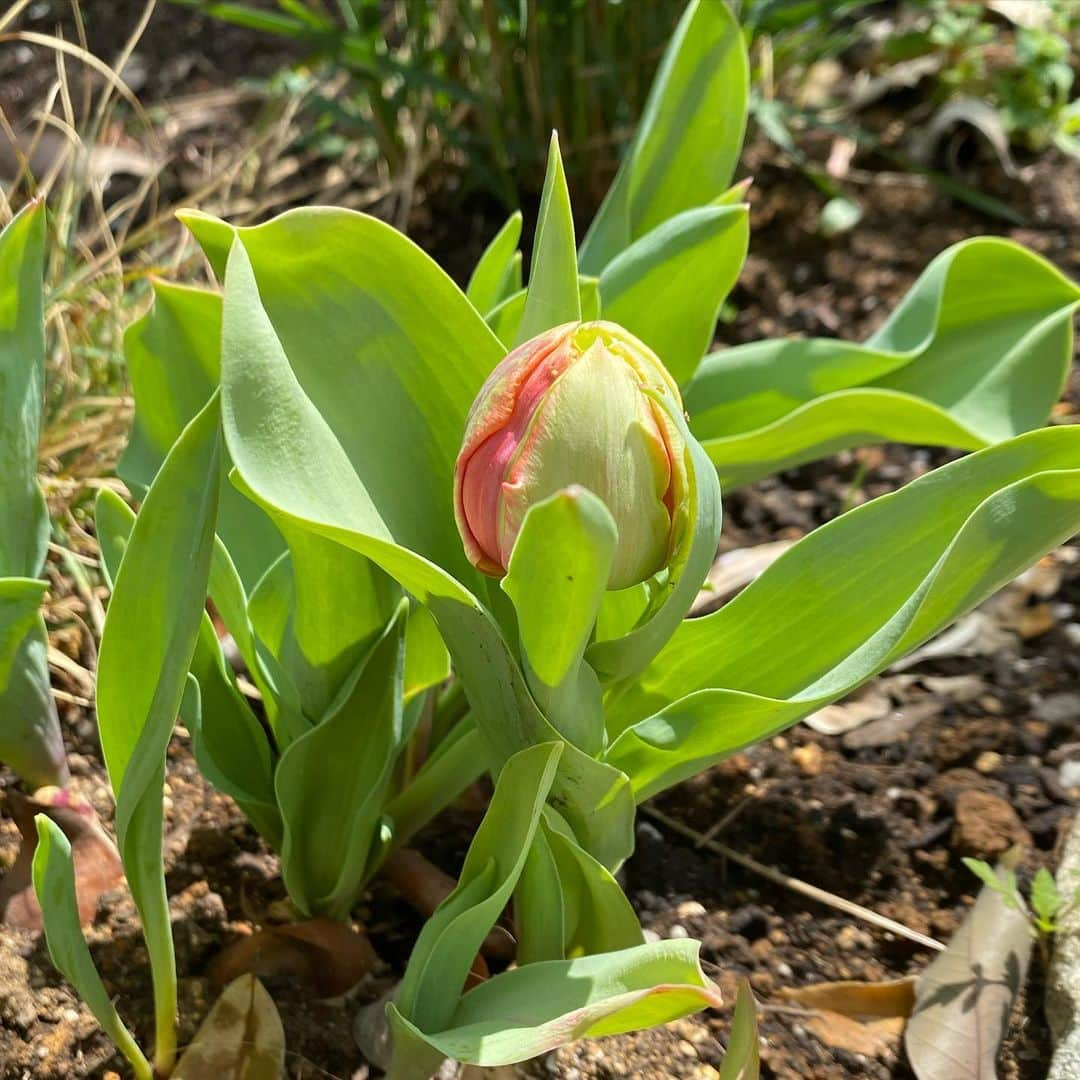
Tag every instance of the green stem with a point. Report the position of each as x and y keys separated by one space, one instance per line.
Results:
x=135 y=1057
x=460 y=761
x=157 y=930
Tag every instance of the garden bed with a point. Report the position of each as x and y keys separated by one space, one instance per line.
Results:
x=965 y=759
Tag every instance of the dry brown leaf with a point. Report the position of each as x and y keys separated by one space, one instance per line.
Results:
x=874 y=1038
x=870 y=704
x=964 y=998
x=330 y=956
x=855 y=999
x=97 y=863
x=240 y=1039
x=860 y=1017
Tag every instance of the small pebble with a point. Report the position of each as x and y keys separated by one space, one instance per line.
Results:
x=690 y=909
x=808 y=758
x=678 y=931
x=989 y=761
x=1069 y=774
x=687 y=1049
x=650 y=935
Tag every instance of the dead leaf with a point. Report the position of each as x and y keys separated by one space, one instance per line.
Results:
x=964 y=998
x=976 y=634
x=97 y=864
x=894 y=998
x=240 y=1039
x=874 y=1038
x=866 y=705
x=892 y=728
x=330 y=956
x=734 y=570
x=964 y=112
x=859 y=1017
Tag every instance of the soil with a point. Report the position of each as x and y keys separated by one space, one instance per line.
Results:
x=881 y=819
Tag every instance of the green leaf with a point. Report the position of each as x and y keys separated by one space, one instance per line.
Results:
x=398 y=359
x=976 y=352
x=985 y=873
x=493 y=277
x=668 y=287
x=689 y=136
x=331 y=782
x=30 y=739
x=451 y=938
x=24 y=531
x=539 y=914
x=173 y=355
x=231 y=749
x=946 y=541
x=289 y=460
x=552 y=297
x=505 y=318
x=557 y=578
x=1046 y=901
x=54 y=884
x=597 y=916
x=530 y=1010
x=147 y=646
x=742 y=1059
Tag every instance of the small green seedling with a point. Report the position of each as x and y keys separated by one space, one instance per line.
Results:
x=1045 y=901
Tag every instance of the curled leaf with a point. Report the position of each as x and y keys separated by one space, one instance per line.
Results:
x=329 y=956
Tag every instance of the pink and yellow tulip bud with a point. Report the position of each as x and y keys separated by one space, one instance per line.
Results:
x=585 y=404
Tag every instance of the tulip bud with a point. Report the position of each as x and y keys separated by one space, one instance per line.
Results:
x=586 y=404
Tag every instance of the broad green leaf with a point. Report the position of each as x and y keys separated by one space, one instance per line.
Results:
x=427 y=663
x=689 y=136
x=556 y=579
x=530 y=1010
x=173 y=355
x=30 y=739
x=290 y=461
x=54 y=884
x=332 y=781
x=459 y=760
x=320 y=653
x=667 y=287
x=742 y=1059
x=20 y=599
x=505 y=318
x=494 y=271
x=597 y=916
x=450 y=939
x=844 y=603
x=552 y=297
x=230 y=747
x=539 y=915
x=399 y=355
x=150 y=633
x=24 y=531
x=976 y=352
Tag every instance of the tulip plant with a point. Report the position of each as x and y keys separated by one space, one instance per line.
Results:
x=459 y=533
x=30 y=739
